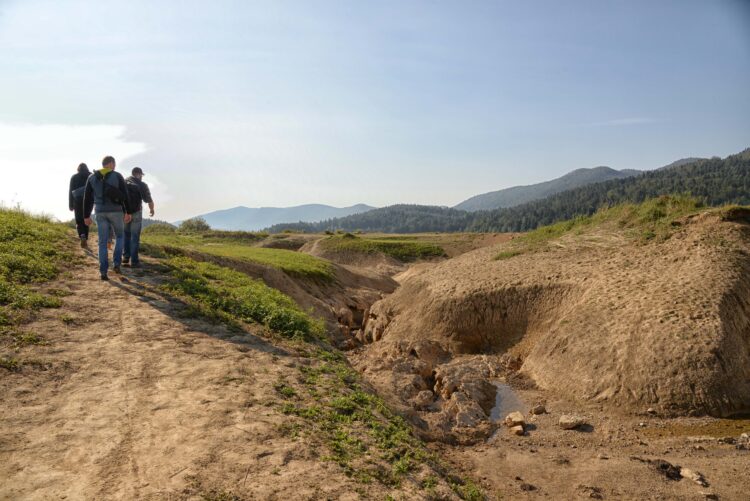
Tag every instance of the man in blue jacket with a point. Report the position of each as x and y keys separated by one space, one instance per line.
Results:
x=106 y=191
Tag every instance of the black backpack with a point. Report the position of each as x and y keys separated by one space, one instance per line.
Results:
x=112 y=193
x=134 y=193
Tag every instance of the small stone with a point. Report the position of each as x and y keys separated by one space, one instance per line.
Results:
x=538 y=409
x=694 y=476
x=710 y=495
x=651 y=410
x=515 y=419
x=602 y=456
x=571 y=421
x=517 y=430
x=424 y=398
x=642 y=424
x=528 y=487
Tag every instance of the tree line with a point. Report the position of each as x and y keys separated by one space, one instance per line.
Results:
x=715 y=181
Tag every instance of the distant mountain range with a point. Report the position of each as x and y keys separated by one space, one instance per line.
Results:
x=408 y=218
x=252 y=219
x=518 y=195
x=715 y=181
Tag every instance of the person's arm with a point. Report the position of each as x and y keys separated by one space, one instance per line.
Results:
x=88 y=201
x=71 y=201
x=126 y=199
x=126 y=205
x=146 y=197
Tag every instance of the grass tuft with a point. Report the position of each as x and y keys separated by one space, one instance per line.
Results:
x=210 y=288
x=653 y=220
x=32 y=250
x=293 y=263
x=402 y=248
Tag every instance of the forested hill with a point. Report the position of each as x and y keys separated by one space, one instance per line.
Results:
x=716 y=181
x=510 y=197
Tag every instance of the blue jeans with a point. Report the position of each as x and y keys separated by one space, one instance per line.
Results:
x=133 y=237
x=106 y=222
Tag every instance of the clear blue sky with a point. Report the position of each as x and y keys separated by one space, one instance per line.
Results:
x=287 y=102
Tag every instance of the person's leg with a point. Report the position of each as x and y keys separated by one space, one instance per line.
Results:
x=135 y=235
x=81 y=227
x=118 y=226
x=126 y=251
x=102 y=229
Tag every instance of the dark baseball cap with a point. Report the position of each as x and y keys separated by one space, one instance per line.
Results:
x=137 y=170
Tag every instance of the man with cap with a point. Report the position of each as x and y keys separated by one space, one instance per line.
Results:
x=139 y=193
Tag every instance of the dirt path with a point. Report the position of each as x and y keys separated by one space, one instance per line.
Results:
x=128 y=400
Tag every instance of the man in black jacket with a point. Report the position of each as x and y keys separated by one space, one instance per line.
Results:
x=106 y=190
x=139 y=193
x=75 y=201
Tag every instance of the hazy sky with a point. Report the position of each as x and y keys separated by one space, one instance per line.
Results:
x=287 y=102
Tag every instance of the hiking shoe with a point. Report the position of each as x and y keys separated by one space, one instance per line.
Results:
x=135 y=265
x=84 y=243
x=126 y=260
x=117 y=270
x=104 y=277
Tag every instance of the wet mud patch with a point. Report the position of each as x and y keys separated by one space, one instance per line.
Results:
x=506 y=401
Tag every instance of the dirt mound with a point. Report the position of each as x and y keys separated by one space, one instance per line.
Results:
x=136 y=397
x=376 y=261
x=596 y=316
x=285 y=241
x=342 y=303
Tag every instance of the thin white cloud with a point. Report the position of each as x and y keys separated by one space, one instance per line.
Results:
x=37 y=160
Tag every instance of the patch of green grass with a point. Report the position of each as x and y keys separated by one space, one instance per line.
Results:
x=243 y=236
x=508 y=254
x=32 y=251
x=293 y=263
x=653 y=220
x=358 y=428
x=402 y=248
x=285 y=390
x=468 y=491
x=328 y=402
x=10 y=364
x=22 y=338
x=213 y=289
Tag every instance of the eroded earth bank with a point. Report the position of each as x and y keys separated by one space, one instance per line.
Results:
x=631 y=331
x=604 y=358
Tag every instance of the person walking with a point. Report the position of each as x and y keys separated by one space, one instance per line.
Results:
x=139 y=193
x=107 y=192
x=75 y=201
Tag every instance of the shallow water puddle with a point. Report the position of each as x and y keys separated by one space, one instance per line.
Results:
x=506 y=401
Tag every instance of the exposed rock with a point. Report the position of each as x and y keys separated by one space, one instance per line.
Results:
x=571 y=421
x=666 y=468
x=743 y=443
x=424 y=398
x=515 y=419
x=467 y=412
x=695 y=476
x=591 y=491
x=538 y=409
x=517 y=430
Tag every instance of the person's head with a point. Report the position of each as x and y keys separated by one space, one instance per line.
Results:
x=83 y=168
x=108 y=162
x=137 y=172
